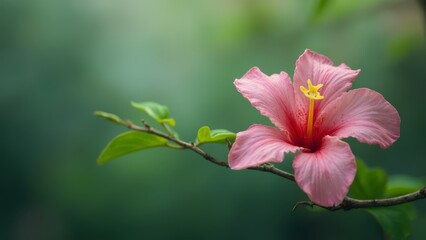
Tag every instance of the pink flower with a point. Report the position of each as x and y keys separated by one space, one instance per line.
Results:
x=311 y=115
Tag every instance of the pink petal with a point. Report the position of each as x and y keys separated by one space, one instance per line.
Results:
x=273 y=96
x=319 y=69
x=326 y=174
x=258 y=144
x=363 y=114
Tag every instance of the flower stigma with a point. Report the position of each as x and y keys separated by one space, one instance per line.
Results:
x=313 y=94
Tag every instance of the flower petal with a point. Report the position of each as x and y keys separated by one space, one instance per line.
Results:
x=258 y=144
x=320 y=70
x=326 y=174
x=363 y=114
x=272 y=95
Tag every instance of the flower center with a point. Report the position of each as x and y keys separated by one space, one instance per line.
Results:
x=313 y=94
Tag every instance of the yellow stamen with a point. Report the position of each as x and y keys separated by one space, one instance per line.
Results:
x=313 y=94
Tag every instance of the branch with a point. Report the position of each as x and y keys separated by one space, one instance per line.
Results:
x=347 y=203
x=352 y=203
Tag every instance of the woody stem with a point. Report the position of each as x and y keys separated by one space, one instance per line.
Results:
x=347 y=204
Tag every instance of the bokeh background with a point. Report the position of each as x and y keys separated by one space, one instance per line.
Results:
x=62 y=60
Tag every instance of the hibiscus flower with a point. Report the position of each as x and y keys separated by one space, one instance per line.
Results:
x=311 y=116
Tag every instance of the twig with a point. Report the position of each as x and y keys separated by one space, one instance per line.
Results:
x=179 y=142
x=304 y=203
x=351 y=203
x=347 y=203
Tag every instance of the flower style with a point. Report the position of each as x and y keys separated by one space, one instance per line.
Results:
x=311 y=115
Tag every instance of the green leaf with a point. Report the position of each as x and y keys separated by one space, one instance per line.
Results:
x=395 y=221
x=401 y=184
x=206 y=135
x=157 y=111
x=109 y=116
x=129 y=142
x=368 y=183
x=372 y=184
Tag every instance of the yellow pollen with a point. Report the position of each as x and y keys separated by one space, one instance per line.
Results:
x=312 y=91
x=313 y=94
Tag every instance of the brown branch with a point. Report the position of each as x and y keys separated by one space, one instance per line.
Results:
x=347 y=204
x=351 y=203
x=185 y=145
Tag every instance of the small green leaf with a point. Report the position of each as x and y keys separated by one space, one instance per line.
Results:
x=369 y=183
x=401 y=184
x=129 y=142
x=110 y=116
x=157 y=111
x=206 y=135
x=395 y=221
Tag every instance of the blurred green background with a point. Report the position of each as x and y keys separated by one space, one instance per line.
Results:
x=62 y=60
